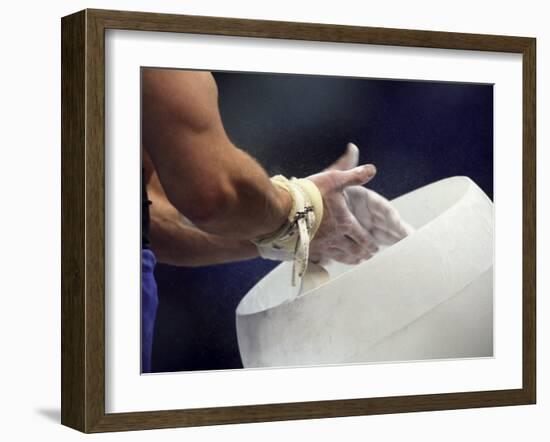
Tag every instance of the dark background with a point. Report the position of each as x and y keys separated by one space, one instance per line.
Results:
x=414 y=132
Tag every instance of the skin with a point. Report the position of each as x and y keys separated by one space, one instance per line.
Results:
x=226 y=197
x=177 y=242
x=219 y=188
x=373 y=222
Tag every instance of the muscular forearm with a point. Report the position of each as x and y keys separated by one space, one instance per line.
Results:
x=231 y=195
x=177 y=244
x=218 y=186
x=253 y=205
x=176 y=241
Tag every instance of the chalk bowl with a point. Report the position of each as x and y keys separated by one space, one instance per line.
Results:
x=429 y=296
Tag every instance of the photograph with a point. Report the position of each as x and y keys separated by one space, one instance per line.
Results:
x=266 y=220
x=292 y=220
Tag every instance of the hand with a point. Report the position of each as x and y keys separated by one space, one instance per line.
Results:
x=374 y=212
x=341 y=237
x=377 y=215
x=381 y=223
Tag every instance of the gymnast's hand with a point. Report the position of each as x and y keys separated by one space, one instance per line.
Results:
x=377 y=215
x=341 y=237
x=380 y=222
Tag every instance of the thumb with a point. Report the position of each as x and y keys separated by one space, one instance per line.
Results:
x=349 y=159
x=354 y=177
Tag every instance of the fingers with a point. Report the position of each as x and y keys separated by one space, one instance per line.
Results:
x=352 y=246
x=348 y=160
x=385 y=216
x=384 y=237
x=354 y=177
x=344 y=257
x=362 y=237
x=341 y=254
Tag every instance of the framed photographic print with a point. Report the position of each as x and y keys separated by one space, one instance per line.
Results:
x=270 y=220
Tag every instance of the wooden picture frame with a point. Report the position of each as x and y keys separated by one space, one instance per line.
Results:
x=83 y=220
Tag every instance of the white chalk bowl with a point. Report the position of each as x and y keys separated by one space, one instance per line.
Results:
x=429 y=296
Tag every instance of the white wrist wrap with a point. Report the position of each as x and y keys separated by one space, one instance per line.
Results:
x=291 y=241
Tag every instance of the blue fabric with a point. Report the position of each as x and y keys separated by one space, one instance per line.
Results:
x=149 y=304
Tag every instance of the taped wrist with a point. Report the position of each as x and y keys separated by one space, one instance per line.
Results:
x=291 y=241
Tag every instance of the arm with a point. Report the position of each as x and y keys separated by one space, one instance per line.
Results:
x=180 y=244
x=223 y=191
x=220 y=188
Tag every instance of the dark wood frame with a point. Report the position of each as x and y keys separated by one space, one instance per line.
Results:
x=83 y=217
